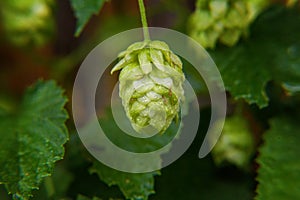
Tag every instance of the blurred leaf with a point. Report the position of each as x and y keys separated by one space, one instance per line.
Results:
x=271 y=53
x=84 y=11
x=279 y=172
x=133 y=186
x=81 y=197
x=32 y=140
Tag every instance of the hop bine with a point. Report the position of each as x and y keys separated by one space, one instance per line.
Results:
x=150 y=85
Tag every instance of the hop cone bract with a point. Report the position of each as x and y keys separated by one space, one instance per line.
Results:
x=150 y=84
x=223 y=20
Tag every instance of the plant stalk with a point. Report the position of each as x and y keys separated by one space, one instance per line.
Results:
x=144 y=20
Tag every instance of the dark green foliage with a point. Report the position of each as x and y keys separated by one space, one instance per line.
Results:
x=278 y=175
x=32 y=140
x=272 y=52
x=84 y=10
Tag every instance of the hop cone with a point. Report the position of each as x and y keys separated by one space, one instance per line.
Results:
x=223 y=20
x=150 y=85
x=27 y=22
x=236 y=145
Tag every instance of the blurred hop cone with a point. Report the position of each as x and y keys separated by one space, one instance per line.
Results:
x=223 y=20
x=150 y=85
x=27 y=22
x=236 y=145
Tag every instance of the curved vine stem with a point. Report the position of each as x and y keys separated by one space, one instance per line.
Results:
x=144 y=20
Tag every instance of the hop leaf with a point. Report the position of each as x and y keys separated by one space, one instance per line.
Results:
x=150 y=85
x=32 y=140
x=223 y=20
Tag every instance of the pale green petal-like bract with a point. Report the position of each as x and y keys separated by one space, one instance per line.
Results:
x=150 y=86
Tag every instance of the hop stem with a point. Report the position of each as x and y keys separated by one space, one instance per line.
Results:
x=144 y=20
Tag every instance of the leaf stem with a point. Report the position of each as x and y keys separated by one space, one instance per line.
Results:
x=144 y=20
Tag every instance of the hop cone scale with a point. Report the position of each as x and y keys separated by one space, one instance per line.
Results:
x=150 y=85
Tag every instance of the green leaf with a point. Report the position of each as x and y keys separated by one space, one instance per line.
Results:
x=271 y=53
x=279 y=171
x=84 y=11
x=133 y=186
x=32 y=140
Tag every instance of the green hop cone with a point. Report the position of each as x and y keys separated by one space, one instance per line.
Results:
x=223 y=21
x=236 y=144
x=150 y=86
x=27 y=22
